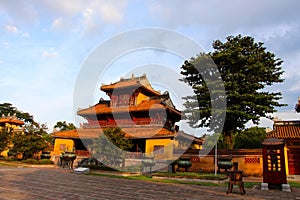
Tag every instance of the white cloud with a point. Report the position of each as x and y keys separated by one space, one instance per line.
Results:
x=11 y=28
x=57 y=23
x=267 y=33
x=228 y=14
x=50 y=53
x=25 y=35
x=112 y=13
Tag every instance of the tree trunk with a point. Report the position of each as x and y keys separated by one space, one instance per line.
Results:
x=228 y=140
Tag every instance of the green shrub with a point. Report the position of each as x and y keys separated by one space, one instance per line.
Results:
x=30 y=161
x=45 y=162
x=8 y=159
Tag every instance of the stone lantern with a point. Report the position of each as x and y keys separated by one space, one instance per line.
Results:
x=274 y=173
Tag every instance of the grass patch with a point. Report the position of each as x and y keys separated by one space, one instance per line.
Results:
x=251 y=184
x=149 y=178
x=191 y=175
x=31 y=161
x=294 y=184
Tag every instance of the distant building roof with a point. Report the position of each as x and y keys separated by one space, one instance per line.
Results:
x=11 y=120
x=189 y=137
x=285 y=130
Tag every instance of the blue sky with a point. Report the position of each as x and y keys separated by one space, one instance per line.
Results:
x=45 y=42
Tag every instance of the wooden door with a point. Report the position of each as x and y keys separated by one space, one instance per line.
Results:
x=294 y=161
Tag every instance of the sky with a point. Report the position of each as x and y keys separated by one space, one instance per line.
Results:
x=44 y=45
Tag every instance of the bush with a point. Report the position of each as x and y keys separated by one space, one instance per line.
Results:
x=8 y=159
x=45 y=162
x=30 y=161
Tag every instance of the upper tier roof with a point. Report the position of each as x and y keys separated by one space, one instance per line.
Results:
x=133 y=82
x=145 y=105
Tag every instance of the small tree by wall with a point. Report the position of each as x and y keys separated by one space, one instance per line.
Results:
x=250 y=138
x=5 y=137
x=110 y=147
x=28 y=142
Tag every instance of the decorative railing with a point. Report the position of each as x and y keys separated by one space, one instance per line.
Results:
x=83 y=153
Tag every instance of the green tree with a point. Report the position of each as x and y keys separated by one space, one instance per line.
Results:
x=250 y=138
x=29 y=141
x=110 y=147
x=247 y=70
x=64 y=126
x=8 y=109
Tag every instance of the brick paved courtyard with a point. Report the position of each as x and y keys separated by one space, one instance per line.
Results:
x=55 y=183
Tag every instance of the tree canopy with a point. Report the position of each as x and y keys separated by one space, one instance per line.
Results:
x=64 y=126
x=5 y=136
x=247 y=70
x=29 y=141
x=250 y=138
x=110 y=147
x=26 y=141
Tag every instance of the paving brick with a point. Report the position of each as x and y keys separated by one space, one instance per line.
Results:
x=56 y=183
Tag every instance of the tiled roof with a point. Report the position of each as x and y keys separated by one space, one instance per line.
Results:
x=136 y=82
x=285 y=130
x=143 y=106
x=190 y=137
x=11 y=120
x=273 y=141
x=131 y=132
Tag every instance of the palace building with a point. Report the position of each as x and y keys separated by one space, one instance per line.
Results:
x=146 y=116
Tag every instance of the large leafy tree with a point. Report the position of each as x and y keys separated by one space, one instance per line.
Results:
x=247 y=70
x=110 y=147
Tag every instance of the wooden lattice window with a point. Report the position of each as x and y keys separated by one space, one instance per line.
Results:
x=274 y=163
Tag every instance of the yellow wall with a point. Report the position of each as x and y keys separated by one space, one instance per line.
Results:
x=207 y=164
x=58 y=143
x=140 y=98
x=168 y=148
x=186 y=145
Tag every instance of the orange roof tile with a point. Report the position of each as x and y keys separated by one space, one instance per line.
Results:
x=11 y=120
x=273 y=141
x=143 y=106
x=286 y=130
x=131 y=132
